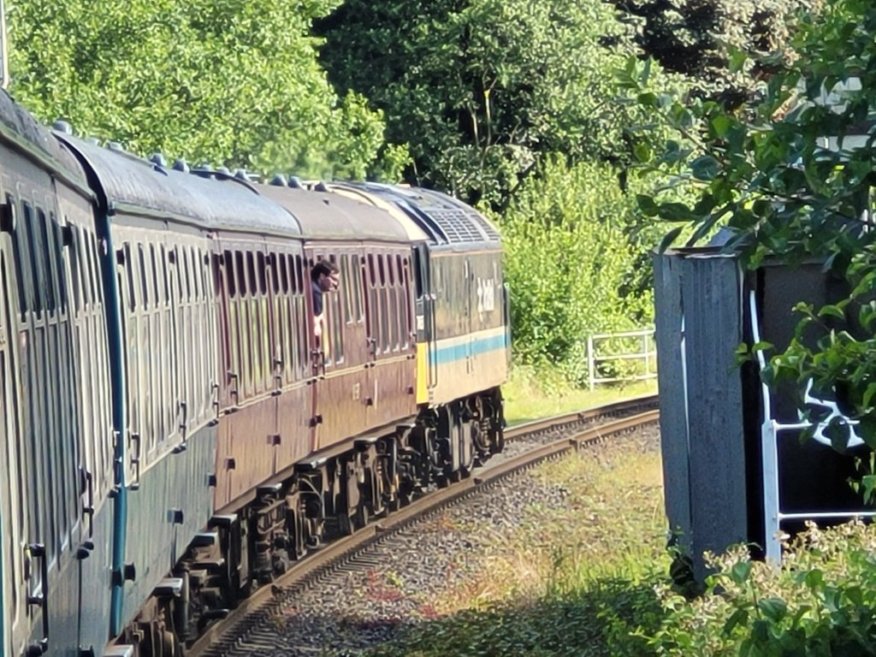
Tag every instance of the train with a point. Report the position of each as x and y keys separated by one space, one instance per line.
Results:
x=178 y=424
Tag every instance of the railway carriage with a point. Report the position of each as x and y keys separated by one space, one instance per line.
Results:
x=56 y=467
x=159 y=225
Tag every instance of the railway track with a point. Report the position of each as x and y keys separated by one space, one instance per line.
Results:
x=247 y=629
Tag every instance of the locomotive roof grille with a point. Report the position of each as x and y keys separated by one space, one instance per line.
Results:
x=455 y=225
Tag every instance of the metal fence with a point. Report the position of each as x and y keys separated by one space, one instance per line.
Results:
x=624 y=356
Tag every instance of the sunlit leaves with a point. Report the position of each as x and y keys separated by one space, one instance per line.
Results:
x=482 y=89
x=790 y=177
x=568 y=260
x=231 y=83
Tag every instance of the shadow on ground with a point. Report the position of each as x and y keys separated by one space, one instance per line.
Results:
x=611 y=618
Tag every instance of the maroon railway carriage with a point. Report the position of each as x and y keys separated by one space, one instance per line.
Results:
x=324 y=411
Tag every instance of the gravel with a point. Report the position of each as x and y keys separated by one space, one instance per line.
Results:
x=394 y=581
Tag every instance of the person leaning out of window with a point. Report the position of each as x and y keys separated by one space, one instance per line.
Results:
x=324 y=277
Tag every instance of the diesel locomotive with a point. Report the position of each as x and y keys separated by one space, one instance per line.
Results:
x=174 y=431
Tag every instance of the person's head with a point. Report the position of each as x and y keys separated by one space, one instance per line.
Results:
x=326 y=275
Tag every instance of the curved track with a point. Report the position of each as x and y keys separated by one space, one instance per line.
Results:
x=527 y=445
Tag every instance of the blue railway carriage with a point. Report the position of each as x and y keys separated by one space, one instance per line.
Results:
x=159 y=225
x=462 y=319
x=56 y=467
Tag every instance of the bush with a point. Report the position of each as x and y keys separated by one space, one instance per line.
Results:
x=820 y=602
x=571 y=254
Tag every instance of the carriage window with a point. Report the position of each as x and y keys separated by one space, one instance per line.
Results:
x=76 y=268
x=231 y=281
x=282 y=273
x=347 y=288
x=94 y=269
x=261 y=271
x=38 y=279
x=175 y=260
x=300 y=280
x=189 y=273
x=47 y=255
x=192 y=270
x=58 y=239
x=206 y=273
x=337 y=329
x=355 y=284
x=19 y=254
x=390 y=266
x=372 y=272
x=250 y=270
x=165 y=274
x=198 y=273
x=156 y=297
x=129 y=273
x=240 y=273
x=144 y=275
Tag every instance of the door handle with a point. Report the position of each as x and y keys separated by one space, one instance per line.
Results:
x=38 y=551
x=88 y=509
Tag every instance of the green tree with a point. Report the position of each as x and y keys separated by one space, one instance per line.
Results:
x=232 y=82
x=568 y=260
x=481 y=88
x=790 y=181
x=699 y=38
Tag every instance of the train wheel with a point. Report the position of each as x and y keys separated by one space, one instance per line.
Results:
x=361 y=515
x=170 y=647
x=346 y=525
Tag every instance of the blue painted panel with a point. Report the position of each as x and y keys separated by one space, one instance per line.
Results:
x=476 y=347
x=96 y=572
x=154 y=540
x=63 y=608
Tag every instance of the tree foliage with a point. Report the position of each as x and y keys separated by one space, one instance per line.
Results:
x=233 y=82
x=700 y=39
x=481 y=88
x=569 y=255
x=788 y=181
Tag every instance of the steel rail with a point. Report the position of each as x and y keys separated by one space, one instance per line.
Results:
x=544 y=424
x=265 y=601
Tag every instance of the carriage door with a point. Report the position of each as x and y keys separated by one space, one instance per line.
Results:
x=13 y=623
x=425 y=322
x=471 y=295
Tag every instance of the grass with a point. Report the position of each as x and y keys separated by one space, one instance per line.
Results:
x=530 y=395
x=569 y=581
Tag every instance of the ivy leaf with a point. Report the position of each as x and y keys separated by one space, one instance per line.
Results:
x=705 y=168
x=669 y=238
x=775 y=609
x=831 y=311
x=738 y=618
x=673 y=211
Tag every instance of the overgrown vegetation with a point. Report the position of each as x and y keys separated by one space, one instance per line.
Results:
x=704 y=40
x=508 y=104
x=820 y=602
x=569 y=254
x=233 y=83
x=790 y=182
